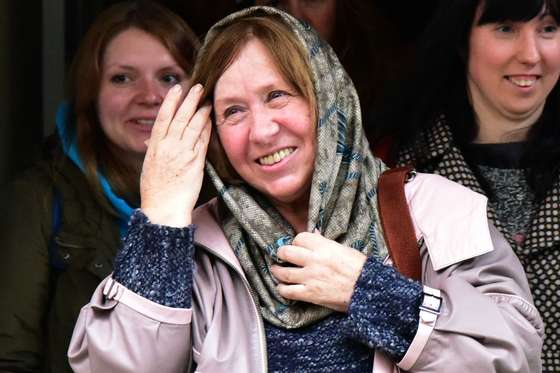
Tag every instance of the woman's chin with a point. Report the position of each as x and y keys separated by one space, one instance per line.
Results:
x=296 y=197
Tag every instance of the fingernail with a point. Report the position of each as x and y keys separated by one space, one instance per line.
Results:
x=197 y=88
x=176 y=88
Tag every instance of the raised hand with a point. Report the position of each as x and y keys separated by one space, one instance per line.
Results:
x=326 y=271
x=174 y=164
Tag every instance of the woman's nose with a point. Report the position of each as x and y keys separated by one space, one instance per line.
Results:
x=264 y=127
x=528 y=48
x=150 y=93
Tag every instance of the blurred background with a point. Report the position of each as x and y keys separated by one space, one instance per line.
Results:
x=39 y=38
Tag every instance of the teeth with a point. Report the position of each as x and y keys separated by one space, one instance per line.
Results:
x=522 y=82
x=149 y=122
x=275 y=157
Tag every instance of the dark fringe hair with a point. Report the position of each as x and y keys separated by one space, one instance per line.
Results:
x=438 y=86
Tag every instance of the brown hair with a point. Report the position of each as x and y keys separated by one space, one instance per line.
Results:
x=221 y=50
x=96 y=152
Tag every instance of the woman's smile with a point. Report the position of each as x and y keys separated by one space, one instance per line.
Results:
x=276 y=157
x=141 y=124
x=523 y=81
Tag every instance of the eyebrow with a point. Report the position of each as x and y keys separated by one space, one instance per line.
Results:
x=266 y=88
x=119 y=66
x=546 y=14
x=132 y=68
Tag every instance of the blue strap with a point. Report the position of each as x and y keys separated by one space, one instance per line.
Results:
x=55 y=261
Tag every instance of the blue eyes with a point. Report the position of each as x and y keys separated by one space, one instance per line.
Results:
x=171 y=79
x=124 y=78
x=120 y=79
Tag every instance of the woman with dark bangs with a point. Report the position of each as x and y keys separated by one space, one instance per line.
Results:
x=484 y=111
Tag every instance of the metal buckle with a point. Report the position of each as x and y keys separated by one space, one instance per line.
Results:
x=410 y=176
x=431 y=303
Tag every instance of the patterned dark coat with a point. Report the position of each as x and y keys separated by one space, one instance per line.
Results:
x=539 y=252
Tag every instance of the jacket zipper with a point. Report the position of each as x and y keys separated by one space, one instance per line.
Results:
x=66 y=244
x=254 y=302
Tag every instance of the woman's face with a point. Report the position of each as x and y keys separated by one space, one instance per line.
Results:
x=513 y=66
x=266 y=128
x=137 y=72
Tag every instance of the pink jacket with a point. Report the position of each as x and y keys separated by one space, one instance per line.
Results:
x=487 y=322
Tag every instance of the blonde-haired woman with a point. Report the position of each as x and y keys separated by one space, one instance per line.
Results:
x=285 y=271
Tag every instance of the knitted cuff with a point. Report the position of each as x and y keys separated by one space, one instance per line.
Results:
x=156 y=262
x=384 y=309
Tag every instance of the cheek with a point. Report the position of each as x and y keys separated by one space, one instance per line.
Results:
x=234 y=143
x=552 y=58
x=301 y=121
x=106 y=103
x=486 y=57
x=481 y=69
x=304 y=128
x=111 y=107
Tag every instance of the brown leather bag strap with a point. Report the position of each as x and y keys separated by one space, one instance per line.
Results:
x=397 y=223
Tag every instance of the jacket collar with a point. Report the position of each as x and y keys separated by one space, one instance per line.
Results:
x=441 y=155
x=210 y=235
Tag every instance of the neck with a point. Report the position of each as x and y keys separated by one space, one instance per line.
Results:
x=495 y=128
x=296 y=213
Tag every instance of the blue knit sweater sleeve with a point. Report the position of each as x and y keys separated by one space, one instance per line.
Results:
x=384 y=309
x=156 y=262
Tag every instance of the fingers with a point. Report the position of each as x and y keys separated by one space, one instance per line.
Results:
x=293 y=292
x=311 y=241
x=204 y=139
x=288 y=275
x=184 y=114
x=166 y=112
x=299 y=256
x=199 y=121
x=201 y=147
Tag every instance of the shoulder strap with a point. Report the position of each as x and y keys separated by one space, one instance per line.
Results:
x=397 y=223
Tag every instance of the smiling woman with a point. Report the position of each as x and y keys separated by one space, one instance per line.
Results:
x=266 y=127
x=62 y=220
x=512 y=68
x=137 y=71
x=287 y=270
x=484 y=111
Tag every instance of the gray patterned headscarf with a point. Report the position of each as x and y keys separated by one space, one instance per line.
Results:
x=343 y=196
